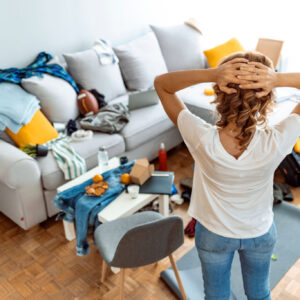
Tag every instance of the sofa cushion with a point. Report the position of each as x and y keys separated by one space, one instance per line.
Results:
x=199 y=103
x=140 y=61
x=38 y=131
x=58 y=99
x=52 y=176
x=182 y=47
x=145 y=124
x=86 y=70
x=214 y=55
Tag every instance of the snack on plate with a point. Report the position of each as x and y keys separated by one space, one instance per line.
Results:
x=96 y=189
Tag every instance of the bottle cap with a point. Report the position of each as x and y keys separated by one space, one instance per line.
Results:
x=162 y=145
x=102 y=148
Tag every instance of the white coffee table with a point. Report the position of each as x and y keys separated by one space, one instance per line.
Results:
x=122 y=206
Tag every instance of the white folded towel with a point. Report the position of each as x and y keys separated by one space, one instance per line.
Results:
x=105 y=52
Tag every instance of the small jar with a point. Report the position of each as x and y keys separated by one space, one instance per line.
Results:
x=102 y=156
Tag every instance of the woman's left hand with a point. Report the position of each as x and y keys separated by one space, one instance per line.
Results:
x=257 y=76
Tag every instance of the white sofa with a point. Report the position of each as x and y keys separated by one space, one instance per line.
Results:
x=28 y=186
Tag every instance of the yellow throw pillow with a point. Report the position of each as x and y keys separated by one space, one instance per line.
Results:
x=215 y=54
x=38 y=131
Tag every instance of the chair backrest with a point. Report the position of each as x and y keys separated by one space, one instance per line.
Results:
x=150 y=242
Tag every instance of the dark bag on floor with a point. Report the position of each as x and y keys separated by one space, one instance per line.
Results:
x=290 y=169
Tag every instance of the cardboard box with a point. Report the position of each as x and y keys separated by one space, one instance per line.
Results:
x=141 y=171
x=270 y=48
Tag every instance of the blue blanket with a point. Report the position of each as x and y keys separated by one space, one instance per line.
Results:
x=75 y=204
x=37 y=68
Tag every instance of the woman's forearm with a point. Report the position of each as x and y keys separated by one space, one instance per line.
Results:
x=175 y=81
x=288 y=80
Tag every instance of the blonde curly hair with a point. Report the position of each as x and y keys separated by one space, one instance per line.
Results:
x=243 y=107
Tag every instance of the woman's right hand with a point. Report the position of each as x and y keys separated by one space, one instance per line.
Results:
x=255 y=75
x=227 y=73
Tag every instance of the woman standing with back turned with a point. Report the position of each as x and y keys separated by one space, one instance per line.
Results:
x=235 y=160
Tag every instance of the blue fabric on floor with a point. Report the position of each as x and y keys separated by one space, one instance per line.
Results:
x=84 y=209
x=174 y=190
x=287 y=250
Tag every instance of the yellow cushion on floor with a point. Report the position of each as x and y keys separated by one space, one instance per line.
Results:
x=297 y=146
x=215 y=54
x=38 y=131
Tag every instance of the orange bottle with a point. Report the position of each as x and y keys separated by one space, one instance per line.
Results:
x=162 y=158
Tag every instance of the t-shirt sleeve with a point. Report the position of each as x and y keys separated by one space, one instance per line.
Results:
x=191 y=128
x=287 y=132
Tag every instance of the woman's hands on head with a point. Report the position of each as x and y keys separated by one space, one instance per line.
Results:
x=228 y=73
x=255 y=75
x=246 y=74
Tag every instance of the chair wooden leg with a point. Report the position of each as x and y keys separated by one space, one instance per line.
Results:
x=122 y=277
x=177 y=277
x=104 y=269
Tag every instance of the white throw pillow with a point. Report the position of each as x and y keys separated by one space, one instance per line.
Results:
x=86 y=69
x=58 y=99
x=141 y=61
x=182 y=47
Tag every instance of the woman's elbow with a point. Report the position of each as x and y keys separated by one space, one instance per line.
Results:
x=157 y=82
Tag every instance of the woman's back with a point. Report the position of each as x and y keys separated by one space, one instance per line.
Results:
x=231 y=196
x=235 y=160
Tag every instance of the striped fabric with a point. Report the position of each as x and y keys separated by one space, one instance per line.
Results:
x=105 y=52
x=70 y=162
x=37 y=68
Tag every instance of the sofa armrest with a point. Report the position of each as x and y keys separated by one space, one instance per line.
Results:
x=22 y=197
x=17 y=168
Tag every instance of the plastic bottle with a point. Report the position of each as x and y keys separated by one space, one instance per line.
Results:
x=162 y=158
x=102 y=157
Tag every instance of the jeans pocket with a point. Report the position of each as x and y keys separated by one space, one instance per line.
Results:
x=267 y=240
x=210 y=241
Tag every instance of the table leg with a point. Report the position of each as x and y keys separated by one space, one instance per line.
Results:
x=164 y=205
x=69 y=230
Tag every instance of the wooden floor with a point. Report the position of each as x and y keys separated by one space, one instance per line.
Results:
x=41 y=264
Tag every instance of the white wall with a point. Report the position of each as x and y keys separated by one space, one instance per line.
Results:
x=57 y=26
x=249 y=20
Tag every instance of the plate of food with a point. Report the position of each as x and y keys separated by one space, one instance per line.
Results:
x=98 y=187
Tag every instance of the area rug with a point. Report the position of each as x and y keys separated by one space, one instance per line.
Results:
x=287 y=250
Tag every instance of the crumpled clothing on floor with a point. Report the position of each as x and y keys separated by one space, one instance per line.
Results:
x=282 y=192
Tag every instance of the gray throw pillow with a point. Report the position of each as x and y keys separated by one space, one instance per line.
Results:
x=86 y=69
x=58 y=99
x=140 y=61
x=181 y=46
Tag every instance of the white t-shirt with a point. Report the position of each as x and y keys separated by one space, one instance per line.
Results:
x=234 y=197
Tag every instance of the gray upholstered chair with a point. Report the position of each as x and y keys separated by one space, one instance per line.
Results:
x=137 y=240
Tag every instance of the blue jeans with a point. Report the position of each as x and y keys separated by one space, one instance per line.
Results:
x=84 y=209
x=216 y=254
